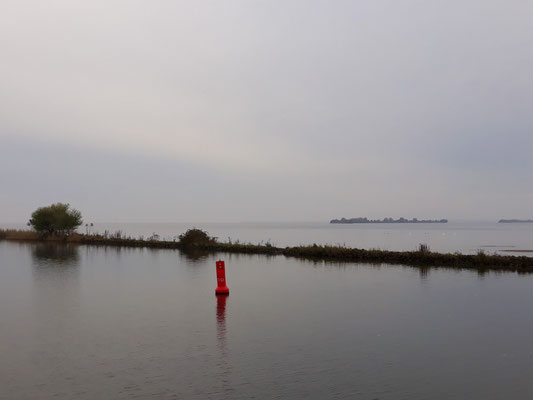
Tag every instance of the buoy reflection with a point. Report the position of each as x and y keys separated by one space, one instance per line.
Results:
x=221 y=321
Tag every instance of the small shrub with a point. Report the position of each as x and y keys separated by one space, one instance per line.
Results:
x=196 y=238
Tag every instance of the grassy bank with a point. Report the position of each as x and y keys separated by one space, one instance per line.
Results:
x=198 y=240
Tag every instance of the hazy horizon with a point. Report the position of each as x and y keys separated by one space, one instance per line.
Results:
x=266 y=223
x=298 y=111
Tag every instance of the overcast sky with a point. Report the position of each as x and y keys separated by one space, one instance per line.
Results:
x=215 y=111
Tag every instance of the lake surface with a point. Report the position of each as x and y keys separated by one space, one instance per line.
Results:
x=464 y=237
x=82 y=322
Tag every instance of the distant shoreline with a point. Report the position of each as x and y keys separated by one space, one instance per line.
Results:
x=512 y=221
x=364 y=220
x=423 y=257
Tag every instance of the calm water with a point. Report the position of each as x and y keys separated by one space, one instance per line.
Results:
x=107 y=323
x=465 y=237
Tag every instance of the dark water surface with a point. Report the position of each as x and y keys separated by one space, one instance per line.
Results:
x=111 y=323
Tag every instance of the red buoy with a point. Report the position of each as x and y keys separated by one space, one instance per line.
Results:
x=221 y=279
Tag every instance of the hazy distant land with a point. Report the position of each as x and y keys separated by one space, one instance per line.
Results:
x=364 y=220
x=507 y=221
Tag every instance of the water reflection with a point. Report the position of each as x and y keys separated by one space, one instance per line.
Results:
x=55 y=263
x=424 y=273
x=195 y=255
x=224 y=365
x=55 y=298
x=221 y=321
x=52 y=255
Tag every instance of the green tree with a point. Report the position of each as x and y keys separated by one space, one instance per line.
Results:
x=57 y=218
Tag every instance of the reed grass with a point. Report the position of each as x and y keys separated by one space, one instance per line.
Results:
x=18 y=234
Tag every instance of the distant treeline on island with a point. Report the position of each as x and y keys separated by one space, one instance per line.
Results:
x=387 y=221
x=514 y=220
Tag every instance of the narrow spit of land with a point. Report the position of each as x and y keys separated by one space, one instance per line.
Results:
x=197 y=240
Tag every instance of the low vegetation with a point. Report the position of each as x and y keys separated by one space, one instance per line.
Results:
x=198 y=240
